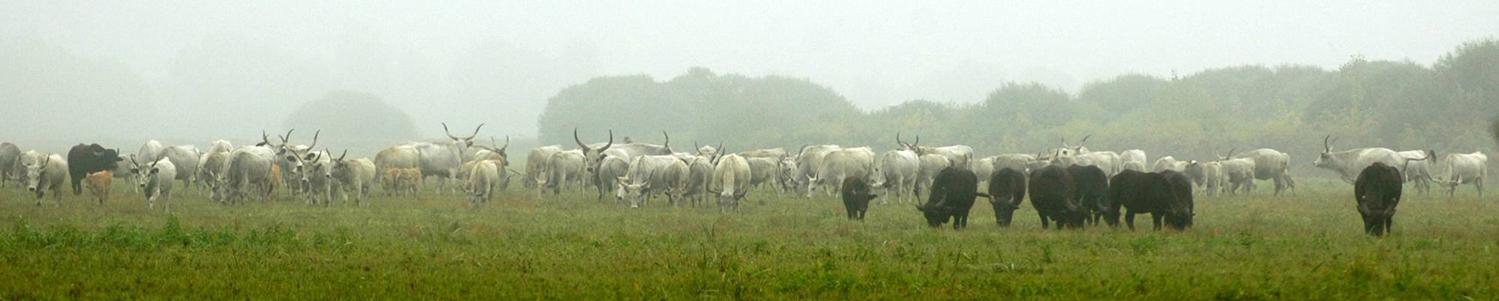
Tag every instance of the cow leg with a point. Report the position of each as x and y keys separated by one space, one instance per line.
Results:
x=1129 y=219
x=1478 y=184
x=1044 y=223
x=1155 y=221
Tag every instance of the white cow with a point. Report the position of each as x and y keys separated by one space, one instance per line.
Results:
x=1133 y=160
x=46 y=173
x=155 y=179
x=536 y=163
x=1458 y=169
x=897 y=173
x=481 y=181
x=731 y=178
x=654 y=175
x=958 y=155
x=841 y=164
x=354 y=176
x=1349 y=163
x=931 y=165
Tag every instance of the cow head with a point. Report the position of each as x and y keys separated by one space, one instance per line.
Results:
x=35 y=172
x=1326 y=159
x=1004 y=208
x=592 y=157
x=913 y=146
x=461 y=144
x=935 y=210
x=634 y=192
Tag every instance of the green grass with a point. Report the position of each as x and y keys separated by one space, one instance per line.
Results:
x=1307 y=246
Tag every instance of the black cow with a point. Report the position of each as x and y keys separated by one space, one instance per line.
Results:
x=1052 y=196
x=1166 y=195
x=85 y=159
x=1377 y=191
x=952 y=197
x=856 y=196
x=1006 y=190
x=1090 y=186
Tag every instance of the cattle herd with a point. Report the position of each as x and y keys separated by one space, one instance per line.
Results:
x=1070 y=186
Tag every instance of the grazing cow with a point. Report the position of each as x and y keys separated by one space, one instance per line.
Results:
x=840 y=164
x=708 y=151
x=1006 y=191
x=395 y=157
x=1169 y=163
x=354 y=176
x=653 y=175
x=952 y=197
x=1238 y=173
x=958 y=155
x=536 y=162
x=211 y=165
x=481 y=181
x=84 y=159
x=1417 y=168
x=1458 y=169
x=856 y=195
x=1272 y=165
x=808 y=163
x=1051 y=190
x=1377 y=191
x=10 y=158
x=731 y=178
x=185 y=158
x=763 y=170
x=1347 y=163
x=563 y=169
x=47 y=174
x=1133 y=160
x=699 y=172
x=155 y=179
x=897 y=170
x=98 y=184
x=1166 y=195
x=930 y=166
x=497 y=153
x=1018 y=162
x=613 y=168
x=1090 y=186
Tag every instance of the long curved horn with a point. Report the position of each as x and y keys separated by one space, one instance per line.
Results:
x=917 y=143
x=476 y=132
x=1327 y=144
x=1085 y=140
x=265 y=138
x=1230 y=153
x=446 y=132
x=341 y=156
x=666 y=144
x=897 y=140
x=579 y=141
x=314 y=139
x=287 y=138
x=696 y=147
x=507 y=145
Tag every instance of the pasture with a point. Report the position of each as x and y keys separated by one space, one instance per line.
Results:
x=520 y=246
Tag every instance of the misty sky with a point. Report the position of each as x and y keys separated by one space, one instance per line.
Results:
x=875 y=53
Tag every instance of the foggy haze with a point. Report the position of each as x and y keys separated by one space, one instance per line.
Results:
x=208 y=69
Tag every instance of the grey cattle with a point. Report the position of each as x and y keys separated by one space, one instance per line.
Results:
x=536 y=162
x=393 y=158
x=1238 y=173
x=155 y=179
x=654 y=175
x=731 y=178
x=1418 y=168
x=594 y=154
x=1168 y=163
x=354 y=176
x=699 y=172
x=1108 y=161
x=930 y=166
x=841 y=164
x=10 y=159
x=1273 y=165
x=1017 y=162
x=958 y=155
x=185 y=158
x=562 y=170
x=314 y=173
x=47 y=173
x=762 y=170
x=1458 y=169
x=773 y=153
x=982 y=168
x=1206 y=176
x=249 y=168
x=442 y=160
x=482 y=180
x=1349 y=163
x=1133 y=160
x=897 y=173
x=809 y=162
x=149 y=151
x=610 y=170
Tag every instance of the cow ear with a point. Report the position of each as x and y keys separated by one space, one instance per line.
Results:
x=155 y=170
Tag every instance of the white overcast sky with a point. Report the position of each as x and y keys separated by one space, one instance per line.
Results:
x=876 y=53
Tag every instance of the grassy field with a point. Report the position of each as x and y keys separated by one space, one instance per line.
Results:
x=1307 y=246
